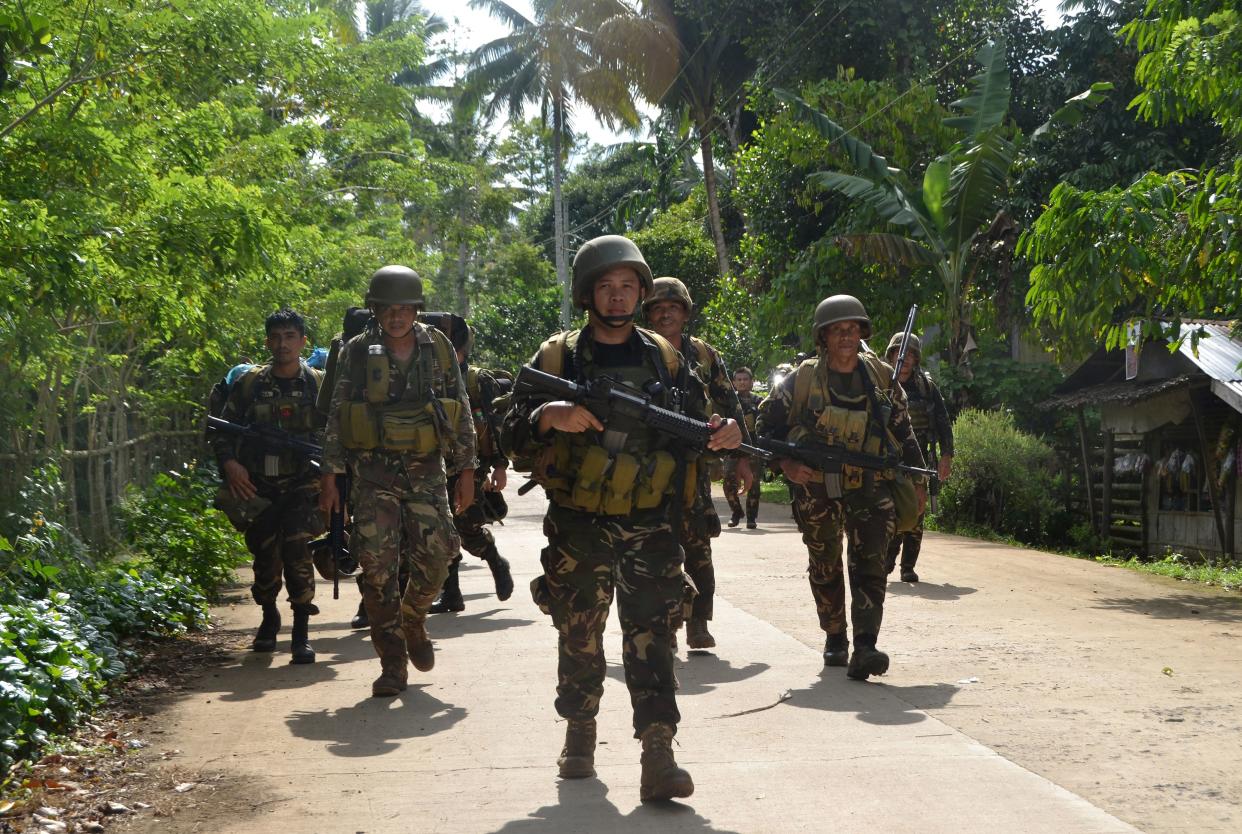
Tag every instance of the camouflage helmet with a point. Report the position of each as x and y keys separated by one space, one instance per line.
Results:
x=668 y=289
x=837 y=308
x=601 y=254
x=328 y=566
x=395 y=284
x=915 y=347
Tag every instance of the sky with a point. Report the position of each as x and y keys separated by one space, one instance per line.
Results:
x=469 y=29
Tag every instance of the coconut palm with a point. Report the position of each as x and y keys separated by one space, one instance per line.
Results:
x=554 y=59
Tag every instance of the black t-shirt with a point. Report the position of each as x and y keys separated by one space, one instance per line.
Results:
x=625 y=355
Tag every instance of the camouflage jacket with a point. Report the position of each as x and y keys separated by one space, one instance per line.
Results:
x=928 y=414
x=708 y=367
x=483 y=389
x=382 y=466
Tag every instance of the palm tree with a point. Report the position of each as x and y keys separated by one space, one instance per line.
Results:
x=688 y=57
x=556 y=60
x=939 y=224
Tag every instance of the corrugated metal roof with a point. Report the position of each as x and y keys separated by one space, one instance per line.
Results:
x=1219 y=356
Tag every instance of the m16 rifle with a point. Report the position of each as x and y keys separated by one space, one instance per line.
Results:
x=269 y=437
x=605 y=397
x=830 y=459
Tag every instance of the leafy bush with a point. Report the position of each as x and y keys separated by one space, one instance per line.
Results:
x=1002 y=479
x=169 y=524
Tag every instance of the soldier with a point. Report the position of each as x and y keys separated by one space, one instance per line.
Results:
x=614 y=491
x=490 y=476
x=270 y=495
x=841 y=396
x=667 y=309
x=398 y=410
x=932 y=429
x=743 y=383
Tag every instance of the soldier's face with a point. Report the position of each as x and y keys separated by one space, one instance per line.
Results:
x=396 y=319
x=907 y=366
x=285 y=344
x=841 y=339
x=617 y=292
x=743 y=383
x=667 y=318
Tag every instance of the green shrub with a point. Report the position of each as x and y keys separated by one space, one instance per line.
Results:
x=1002 y=479
x=171 y=524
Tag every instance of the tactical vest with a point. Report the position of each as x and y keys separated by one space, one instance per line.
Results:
x=264 y=403
x=628 y=466
x=842 y=419
x=750 y=411
x=482 y=409
x=919 y=400
x=414 y=411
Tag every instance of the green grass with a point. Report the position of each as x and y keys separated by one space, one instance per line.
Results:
x=774 y=492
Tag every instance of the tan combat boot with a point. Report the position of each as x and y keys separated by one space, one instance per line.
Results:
x=697 y=635
x=577 y=760
x=391 y=682
x=662 y=778
x=418 y=644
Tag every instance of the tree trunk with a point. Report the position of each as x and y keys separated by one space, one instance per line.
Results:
x=463 y=257
x=558 y=213
x=713 y=201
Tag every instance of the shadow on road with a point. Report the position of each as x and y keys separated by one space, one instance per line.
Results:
x=470 y=622
x=1182 y=607
x=376 y=726
x=702 y=672
x=929 y=590
x=582 y=805
x=239 y=682
x=833 y=692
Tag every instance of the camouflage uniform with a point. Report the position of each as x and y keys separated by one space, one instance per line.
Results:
x=278 y=536
x=700 y=523
x=471 y=525
x=934 y=432
x=732 y=484
x=865 y=512
x=590 y=554
x=399 y=493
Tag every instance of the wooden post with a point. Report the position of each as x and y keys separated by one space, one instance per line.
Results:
x=1106 y=513
x=1203 y=452
x=1086 y=467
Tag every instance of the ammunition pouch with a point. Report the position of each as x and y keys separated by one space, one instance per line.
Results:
x=587 y=478
x=241 y=514
x=905 y=502
x=400 y=427
x=654 y=480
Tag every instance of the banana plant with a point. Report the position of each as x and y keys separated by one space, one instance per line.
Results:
x=936 y=223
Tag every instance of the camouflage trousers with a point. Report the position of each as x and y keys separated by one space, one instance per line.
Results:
x=699 y=526
x=908 y=545
x=419 y=511
x=588 y=557
x=868 y=519
x=471 y=525
x=732 y=484
x=277 y=540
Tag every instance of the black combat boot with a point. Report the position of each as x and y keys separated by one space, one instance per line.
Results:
x=499 y=567
x=661 y=777
x=577 y=759
x=300 y=646
x=450 y=600
x=908 y=574
x=360 y=620
x=735 y=519
x=836 y=650
x=866 y=659
x=265 y=637
x=751 y=524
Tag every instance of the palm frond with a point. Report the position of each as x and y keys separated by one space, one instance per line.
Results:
x=882 y=247
x=866 y=161
x=988 y=101
x=503 y=12
x=977 y=183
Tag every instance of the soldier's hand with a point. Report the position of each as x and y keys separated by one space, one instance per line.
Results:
x=945 y=468
x=726 y=434
x=797 y=473
x=921 y=491
x=329 y=497
x=745 y=475
x=463 y=494
x=563 y=415
x=498 y=479
x=238 y=480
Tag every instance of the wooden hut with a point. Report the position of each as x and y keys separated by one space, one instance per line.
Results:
x=1162 y=472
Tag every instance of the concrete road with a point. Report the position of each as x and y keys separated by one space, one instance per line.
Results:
x=1023 y=687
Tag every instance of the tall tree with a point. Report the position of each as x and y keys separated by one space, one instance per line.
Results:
x=555 y=59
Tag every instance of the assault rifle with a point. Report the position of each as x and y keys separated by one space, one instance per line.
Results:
x=605 y=397
x=829 y=459
x=342 y=561
x=269 y=437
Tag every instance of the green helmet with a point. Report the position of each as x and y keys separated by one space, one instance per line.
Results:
x=915 y=346
x=837 y=308
x=601 y=254
x=395 y=285
x=668 y=289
